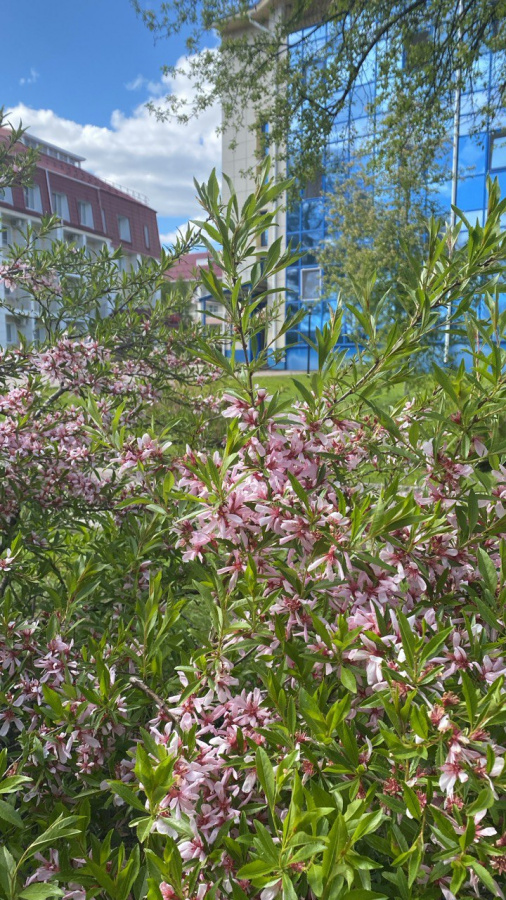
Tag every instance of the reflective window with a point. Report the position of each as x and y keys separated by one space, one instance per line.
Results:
x=475 y=215
x=501 y=177
x=471 y=193
x=471 y=103
x=441 y=193
x=310 y=239
x=362 y=97
x=312 y=214
x=124 y=228
x=472 y=154
x=6 y=195
x=60 y=205
x=85 y=213
x=363 y=126
x=310 y=284
x=292 y=280
x=293 y=219
x=498 y=151
x=32 y=198
x=308 y=260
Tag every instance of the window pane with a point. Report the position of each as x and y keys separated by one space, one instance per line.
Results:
x=308 y=260
x=501 y=177
x=85 y=213
x=475 y=214
x=310 y=284
x=32 y=198
x=292 y=280
x=311 y=239
x=60 y=205
x=498 y=152
x=471 y=193
x=472 y=153
x=292 y=219
x=124 y=228
x=6 y=195
x=312 y=214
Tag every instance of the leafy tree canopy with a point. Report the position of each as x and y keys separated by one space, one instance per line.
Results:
x=297 y=74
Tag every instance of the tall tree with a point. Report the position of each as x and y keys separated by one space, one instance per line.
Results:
x=288 y=66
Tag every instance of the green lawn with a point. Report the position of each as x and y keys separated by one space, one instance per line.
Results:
x=386 y=397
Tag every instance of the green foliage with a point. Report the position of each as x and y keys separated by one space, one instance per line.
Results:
x=425 y=48
x=276 y=669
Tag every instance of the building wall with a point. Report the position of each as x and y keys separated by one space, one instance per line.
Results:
x=244 y=144
x=478 y=156
x=61 y=173
x=304 y=223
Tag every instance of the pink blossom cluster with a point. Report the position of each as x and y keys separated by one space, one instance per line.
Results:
x=19 y=273
x=81 y=744
x=382 y=612
x=260 y=514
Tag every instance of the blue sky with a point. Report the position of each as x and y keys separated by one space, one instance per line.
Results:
x=79 y=74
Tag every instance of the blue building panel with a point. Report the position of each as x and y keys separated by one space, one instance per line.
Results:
x=479 y=155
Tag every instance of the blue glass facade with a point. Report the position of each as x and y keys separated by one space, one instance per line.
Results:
x=479 y=155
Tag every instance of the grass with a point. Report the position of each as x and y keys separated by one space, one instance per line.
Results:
x=387 y=396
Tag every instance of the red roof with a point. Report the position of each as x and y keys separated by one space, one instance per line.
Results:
x=109 y=203
x=187 y=267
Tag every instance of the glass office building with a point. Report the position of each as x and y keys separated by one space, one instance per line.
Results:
x=479 y=155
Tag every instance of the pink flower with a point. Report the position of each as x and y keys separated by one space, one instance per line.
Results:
x=451 y=773
x=272 y=890
x=48 y=868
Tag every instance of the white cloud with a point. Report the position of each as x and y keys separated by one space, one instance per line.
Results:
x=153 y=88
x=170 y=238
x=136 y=83
x=159 y=159
x=31 y=78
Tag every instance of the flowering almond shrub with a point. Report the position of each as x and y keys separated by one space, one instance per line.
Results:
x=275 y=669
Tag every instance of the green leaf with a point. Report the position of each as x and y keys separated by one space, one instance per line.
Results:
x=255 y=868
x=363 y=894
x=7 y=871
x=288 y=888
x=485 y=877
x=10 y=784
x=415 y=861
x=348 y=680
x=419 y=722
x=472 y=511
x=40 y=891
x=408 y=640
x=101 y=875
x=484 y=800
x=443 y=379
x=308 y=396
x=266 y=776
x=62 y=827
x=337 y=839
x=368 y=823
x=412 y=802
x=127 y=794
x=436 y=641
x=264 y=841
x=487 y=569
x=299 y=490
x=9 y=814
